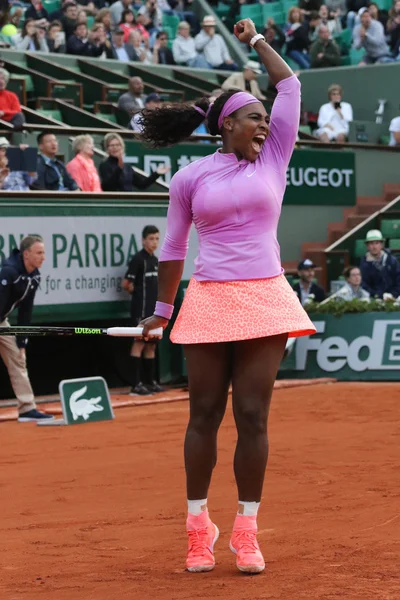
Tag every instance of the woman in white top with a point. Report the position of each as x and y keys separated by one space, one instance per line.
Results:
x=334 y=117
x=352 y=288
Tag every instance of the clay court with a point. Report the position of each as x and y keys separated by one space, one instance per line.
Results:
x=97 y=511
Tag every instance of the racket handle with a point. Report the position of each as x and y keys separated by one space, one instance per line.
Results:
x=132 y=331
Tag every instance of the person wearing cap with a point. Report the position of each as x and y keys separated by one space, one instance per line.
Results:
x=122 y=51
x=116 y=175
x=184 y=50
x=151 y=102
x=162 y=55
x=246 y=81
x=306 y=289
x=380 y=270
x=213 y=47
x=10 y=108
x=370 y=35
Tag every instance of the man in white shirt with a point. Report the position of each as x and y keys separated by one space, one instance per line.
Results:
x=334 y=117
x=394 y=129
x=212 y=46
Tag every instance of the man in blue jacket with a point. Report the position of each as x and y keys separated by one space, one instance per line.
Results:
x=379 y=269
x=51 y=172
x=19 y=280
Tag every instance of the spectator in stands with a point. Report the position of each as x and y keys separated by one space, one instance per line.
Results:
x=36 y=11
x=246 y=81
x=152 y=102
x=393 y=12
x=162 y=55
x=82 y=168
x=83 y=43
x=104 y=17
x=332 y=23
x=116 y=176
x=379 y=269
x=69 y=18
x=352 y=289
x=123 y=52
x=91 y=7
x=151 y=15
x=377 y=14
x=17 y=181
x=10 y=108
x=184 y=50
x=31 y=38
x=324 y=52
x=133 y=101
x=334 y=117
x=56 y=38
x=337 y=8
x=129 y=24
x=117 y=9
x=141 y=47
x=306 y=289
x=99 y=33
x=309 y=6
x=354 y=11
x=297 y=40
x=370 y=35
x=51 y=172
x=213 y=47
x=394 y=130
x=394 y=39
x=274 y=35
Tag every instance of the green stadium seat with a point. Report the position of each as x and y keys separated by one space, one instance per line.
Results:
x=29 y=87
x=390 y=228
x=384 y=4
x=292 y=64
x=305 y=129
x=108 y=117
x=345 y=61
x=52 y=114
x=51 y=5
x=356 y=55
x=394 y=244
x=170 y=23
x=346 y=38
x=359 y=248
x=384 y=139
x=222 y=10
x=90 y=22
x=250 y=11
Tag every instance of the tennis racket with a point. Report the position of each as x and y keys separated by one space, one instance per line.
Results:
x=79 y=331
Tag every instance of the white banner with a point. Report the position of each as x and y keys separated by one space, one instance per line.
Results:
x=86 y=257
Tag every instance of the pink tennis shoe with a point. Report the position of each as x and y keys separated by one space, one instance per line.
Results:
x=244 y=544
x=202 y=535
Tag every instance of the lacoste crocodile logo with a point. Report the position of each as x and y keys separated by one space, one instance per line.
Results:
x=83 y=407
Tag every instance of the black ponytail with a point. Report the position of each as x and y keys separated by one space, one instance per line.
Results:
x=175 y=123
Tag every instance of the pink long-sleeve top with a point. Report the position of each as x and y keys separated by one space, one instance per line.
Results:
x=234 y=204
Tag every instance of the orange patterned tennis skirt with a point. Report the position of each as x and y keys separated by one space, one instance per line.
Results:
x=216 y=311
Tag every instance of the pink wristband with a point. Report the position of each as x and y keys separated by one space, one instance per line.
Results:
x=164 y=310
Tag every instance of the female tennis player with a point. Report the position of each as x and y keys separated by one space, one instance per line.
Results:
x=239 y=309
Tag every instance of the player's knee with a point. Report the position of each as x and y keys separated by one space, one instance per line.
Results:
x=205 y=419
x=251 y=418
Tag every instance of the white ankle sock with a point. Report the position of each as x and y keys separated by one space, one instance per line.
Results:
x=250 y=509
x=196 y=507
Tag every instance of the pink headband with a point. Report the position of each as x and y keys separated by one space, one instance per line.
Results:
x=234 y=103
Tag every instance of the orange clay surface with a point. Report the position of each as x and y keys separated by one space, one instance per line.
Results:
x=97 y=511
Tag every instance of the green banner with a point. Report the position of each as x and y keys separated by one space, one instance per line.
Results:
x=319 y=177
x=350 y=348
